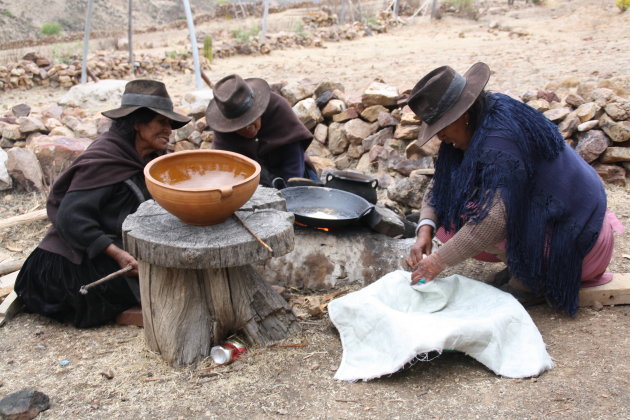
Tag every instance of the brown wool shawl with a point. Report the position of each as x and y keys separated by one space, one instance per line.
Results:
x=110 y=159
x=279 y=127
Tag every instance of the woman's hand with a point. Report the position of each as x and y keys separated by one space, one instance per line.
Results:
x=423 y=245
x=427 y=268
x=123 y=258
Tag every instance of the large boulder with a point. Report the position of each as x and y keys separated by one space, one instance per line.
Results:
x=56 y=153
x=24 y=168
x=5 y=179
x=95 y=96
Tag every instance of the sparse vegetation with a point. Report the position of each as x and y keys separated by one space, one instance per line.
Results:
x=298 y=28
x=7 y=13
x=371 y=20
x=622 y=4
x=207 y=48
x=243 y=35
x=66 y=53
x=461 y=5
x=175 y=55
x=52 y=28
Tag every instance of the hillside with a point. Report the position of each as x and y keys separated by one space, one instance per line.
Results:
x=21 y=20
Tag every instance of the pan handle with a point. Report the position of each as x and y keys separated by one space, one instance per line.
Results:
x=366 y=212
x=279 y=183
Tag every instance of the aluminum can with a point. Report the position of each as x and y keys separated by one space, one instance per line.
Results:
x=227 y=352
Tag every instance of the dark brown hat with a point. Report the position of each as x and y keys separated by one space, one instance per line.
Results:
x=443 y=95
x=237 y=103
x=149 y=94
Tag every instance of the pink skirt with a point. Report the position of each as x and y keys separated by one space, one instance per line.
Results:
x=594 y=264
x=597 y=260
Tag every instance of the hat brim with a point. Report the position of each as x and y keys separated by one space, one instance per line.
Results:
x=177 y=120
x=218 y=122
x=476 y=77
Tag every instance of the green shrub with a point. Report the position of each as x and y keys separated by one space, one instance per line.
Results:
x=461 y=5
x=7 y=13
x=52 y=28
x=207 y=47
x=67 y=53
x=243 y=35
x=623 y=4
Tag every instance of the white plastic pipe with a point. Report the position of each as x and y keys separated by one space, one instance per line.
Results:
x=193 y=43
x=86 y=40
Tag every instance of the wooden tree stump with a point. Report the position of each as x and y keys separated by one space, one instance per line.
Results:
x=196 y=282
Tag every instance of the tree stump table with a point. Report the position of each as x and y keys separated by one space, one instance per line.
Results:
x=196 y=282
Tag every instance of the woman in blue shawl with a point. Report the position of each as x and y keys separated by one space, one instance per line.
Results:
x=504 y=175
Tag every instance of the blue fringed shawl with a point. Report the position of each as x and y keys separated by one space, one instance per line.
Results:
x=554 y=200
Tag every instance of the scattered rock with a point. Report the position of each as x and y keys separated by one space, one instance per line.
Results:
x=23 y=405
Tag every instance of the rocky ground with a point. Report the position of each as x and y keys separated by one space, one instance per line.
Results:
x=591 y=375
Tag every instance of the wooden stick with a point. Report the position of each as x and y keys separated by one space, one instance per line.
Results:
x=23 y=218
x=84 y=289
x=7 y=267
x=206 y=79
x=252 y=233
x=287 y=346
x=11 y=306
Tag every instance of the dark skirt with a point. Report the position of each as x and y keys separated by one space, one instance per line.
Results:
x=49 y=285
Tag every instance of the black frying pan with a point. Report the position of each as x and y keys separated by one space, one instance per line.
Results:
x=325 y=207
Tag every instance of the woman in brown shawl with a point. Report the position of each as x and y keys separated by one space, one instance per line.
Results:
x=249 y=119
x=87 y=206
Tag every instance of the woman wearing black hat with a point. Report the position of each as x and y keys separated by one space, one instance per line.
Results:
x=87 y=206
x=249 y=119
x=507 y=183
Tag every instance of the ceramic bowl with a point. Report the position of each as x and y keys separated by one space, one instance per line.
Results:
x=202 y=187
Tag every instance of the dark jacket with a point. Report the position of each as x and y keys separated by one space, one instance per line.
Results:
x=280 y=144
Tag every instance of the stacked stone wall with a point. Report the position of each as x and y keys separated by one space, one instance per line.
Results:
x=372 y=132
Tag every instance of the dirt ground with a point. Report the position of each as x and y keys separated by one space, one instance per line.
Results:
x=591 y=377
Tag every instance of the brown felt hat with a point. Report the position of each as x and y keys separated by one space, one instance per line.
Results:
x=237 y=103
x=443 y=95
x=149 y=94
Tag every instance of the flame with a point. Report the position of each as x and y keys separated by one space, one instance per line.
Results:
x=295 y=222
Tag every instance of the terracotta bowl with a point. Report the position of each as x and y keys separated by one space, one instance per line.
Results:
x=202 y=187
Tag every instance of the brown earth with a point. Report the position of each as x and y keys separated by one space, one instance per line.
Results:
x=590 y=380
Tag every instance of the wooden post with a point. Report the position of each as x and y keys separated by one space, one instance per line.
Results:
x=86 y=39
x=265 y=18
x=196 y=282
x=130 y=36
x=193 y=43
x=342 y=12
x=396 y=8
x=434 y=9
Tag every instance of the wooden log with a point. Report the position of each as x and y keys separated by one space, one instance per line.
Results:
x=7 y=283
x=11 y=306
x=616 y=292
x=203 y=307
x=10 y=266
x=153 y=235
x=196 y=282
x=32 y=216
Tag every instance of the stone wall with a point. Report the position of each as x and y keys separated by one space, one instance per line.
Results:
x=372 y=132
x=33 y=70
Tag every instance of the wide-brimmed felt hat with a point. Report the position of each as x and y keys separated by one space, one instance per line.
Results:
x=443 y=95
x=149 y=94
x=237 y=103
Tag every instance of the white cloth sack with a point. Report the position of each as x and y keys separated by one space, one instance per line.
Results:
x=389 y=323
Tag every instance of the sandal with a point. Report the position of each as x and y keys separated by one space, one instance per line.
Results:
x=523 y=296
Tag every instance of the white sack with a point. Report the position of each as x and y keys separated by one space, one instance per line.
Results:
x=389 y=323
